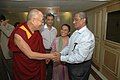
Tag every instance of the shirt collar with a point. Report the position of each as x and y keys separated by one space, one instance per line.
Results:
x=45 y=26
x=81 y=30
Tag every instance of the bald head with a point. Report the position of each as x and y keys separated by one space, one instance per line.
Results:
x=34 y=14
x=35 y=19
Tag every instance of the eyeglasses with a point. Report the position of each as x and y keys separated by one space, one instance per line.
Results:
x=77 y=19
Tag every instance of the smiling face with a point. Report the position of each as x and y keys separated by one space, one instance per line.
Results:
x=49 y=21
x=37 y=21
x=65 y=31
x=36 y=18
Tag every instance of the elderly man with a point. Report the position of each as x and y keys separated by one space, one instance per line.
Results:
x=79 y=51
x=28 y=51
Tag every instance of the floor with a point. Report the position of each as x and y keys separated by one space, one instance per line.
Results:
x=91 y=77
x=97 y=76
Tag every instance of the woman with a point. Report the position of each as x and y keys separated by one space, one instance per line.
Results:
x=59 y=69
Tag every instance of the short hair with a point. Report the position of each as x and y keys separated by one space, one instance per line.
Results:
x=67 y=26
x=82 y=15
x=32 y=13
x=49 y=14
x=16 y=23
x=2 y=17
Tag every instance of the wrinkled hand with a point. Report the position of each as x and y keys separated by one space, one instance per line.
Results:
x=57 y=57
x=52 y=55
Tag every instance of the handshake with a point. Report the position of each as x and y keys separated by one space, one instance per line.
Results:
x=54 y=56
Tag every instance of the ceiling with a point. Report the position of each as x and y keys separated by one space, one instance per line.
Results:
x=64 y=5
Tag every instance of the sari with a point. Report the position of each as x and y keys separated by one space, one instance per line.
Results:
x=60 y=71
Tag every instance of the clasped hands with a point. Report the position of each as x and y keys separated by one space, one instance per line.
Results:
x=54 y=56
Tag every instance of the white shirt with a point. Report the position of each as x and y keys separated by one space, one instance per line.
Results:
x=80 y=47
x=48 y=36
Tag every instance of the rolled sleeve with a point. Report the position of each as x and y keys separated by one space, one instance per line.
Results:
x=64 y=58
x=68 y=59
x=65 y=51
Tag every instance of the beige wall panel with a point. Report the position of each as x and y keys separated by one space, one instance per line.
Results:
x=96 y=52
x=110 y=60
x=113 y=7
x=91 y=20
x=98 y=18
x=106 y=72
x=95 y=56
x=107 y=53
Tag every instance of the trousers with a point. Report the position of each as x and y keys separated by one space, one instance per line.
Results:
x=80 y=71
x=49 y=67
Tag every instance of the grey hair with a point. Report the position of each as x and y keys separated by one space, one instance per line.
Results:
x=82 y=15
x=33 y=13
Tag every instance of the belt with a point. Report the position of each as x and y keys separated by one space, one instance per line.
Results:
x=80 y=63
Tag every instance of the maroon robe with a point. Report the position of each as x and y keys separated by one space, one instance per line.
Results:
x=23 y=67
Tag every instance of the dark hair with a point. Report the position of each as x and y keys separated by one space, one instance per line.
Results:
x=17 y=23
x=67 y=26
x=2 y=17
x=49 y=14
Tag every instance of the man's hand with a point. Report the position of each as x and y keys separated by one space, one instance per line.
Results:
x=57 y=57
